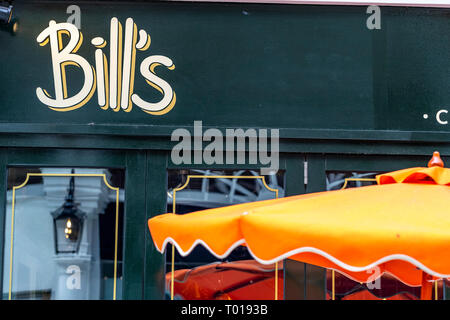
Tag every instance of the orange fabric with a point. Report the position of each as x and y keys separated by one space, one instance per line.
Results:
x=408 y=220
x=237 y=280
x=218 y=227
x=358 y=226
x=433 y=175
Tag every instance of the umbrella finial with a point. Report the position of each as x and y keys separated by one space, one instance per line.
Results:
x=436 y=160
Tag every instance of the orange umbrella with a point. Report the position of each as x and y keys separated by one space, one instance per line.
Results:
x=399 y=226
x=247 y=279
x=238 y=280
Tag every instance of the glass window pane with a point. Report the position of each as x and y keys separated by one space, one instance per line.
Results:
x=63 y=233
x=337 y=179
x=201 y=275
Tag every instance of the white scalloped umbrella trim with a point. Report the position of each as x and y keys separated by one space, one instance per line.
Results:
x=286 y=255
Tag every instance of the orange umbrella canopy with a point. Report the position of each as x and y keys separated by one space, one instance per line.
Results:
x=400 y=226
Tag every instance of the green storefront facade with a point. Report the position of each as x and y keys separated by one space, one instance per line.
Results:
x=345 y=98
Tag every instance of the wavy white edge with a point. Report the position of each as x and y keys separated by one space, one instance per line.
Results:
x=197 y=242
x=286 y=255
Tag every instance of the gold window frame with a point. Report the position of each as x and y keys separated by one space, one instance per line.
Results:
x=193 y=176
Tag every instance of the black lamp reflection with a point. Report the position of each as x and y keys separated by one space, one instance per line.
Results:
x=68 y=223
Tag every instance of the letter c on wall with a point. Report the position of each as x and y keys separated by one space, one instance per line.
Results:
x=438 y=116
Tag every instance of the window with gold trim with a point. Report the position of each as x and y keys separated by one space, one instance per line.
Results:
x=63 y=233
x=201 y=275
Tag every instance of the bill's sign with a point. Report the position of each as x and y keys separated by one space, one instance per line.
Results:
x=114 y=82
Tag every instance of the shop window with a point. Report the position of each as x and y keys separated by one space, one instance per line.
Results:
x=383 y=287
x=63 y=234
x=339 y=180
x=201 y=275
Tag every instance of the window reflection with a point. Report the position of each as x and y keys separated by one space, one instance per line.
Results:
x=59 y=231
x=386 y=287
x=336 y=180
x=200 y=275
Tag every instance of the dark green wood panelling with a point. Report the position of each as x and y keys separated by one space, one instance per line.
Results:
x=238 y=65
x=375 y=163
x=3 y=188
x=329 y=146
x=315 y=284
x=156 y=199
x=135 y=226
x=294 y=271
